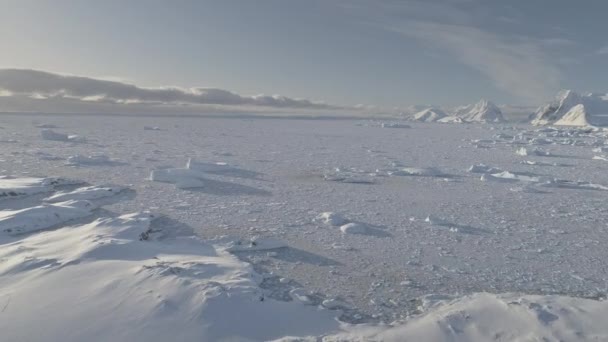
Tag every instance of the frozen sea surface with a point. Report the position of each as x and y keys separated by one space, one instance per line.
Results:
x=427 y=224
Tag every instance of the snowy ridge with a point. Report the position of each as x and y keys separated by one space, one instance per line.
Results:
x=25 y=186
x=571 y=109
x=576 y=116
x=487 y=317
x=482 y=111
x=430 y=115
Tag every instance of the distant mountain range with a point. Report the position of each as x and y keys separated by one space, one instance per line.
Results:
x=567 y=109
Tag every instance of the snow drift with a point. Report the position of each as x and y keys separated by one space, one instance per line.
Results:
x=26 y=186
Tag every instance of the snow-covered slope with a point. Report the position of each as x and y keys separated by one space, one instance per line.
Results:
x=429 y=115
x=576 y=116
x=124 y=279
x=570 y=108
x=482 y=111
x=488 y=317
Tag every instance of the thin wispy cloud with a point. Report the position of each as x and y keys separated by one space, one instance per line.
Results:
x=521 y=66
x=518 y=66
x=45 y=85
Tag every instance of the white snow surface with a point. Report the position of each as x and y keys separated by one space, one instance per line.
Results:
x=11 y=186
x=14 y=222
x=86 y=193
x=519 y=258
x=100 y=282
x=488 y=317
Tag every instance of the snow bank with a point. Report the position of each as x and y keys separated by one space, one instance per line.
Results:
x=26 y=186
x=488 y=317
x=86 y=193
x=100 y=282
x=14 y=222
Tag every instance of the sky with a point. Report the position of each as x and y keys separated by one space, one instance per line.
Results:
x=385 y=53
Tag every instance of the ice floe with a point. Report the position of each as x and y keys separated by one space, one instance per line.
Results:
x=506 y=176
x=254 y=244
x=182 y=178
x=354 y=228
x=350 y=175
x=331 y=219
x=91 y=160
x=49 y=134
x=420 y=172
x=533 y=152
x=482 y=168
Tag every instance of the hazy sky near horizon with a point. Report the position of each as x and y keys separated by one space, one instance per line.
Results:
x=382 y=52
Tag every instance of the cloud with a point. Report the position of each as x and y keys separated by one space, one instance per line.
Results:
x=43 y=85
x=603 y=51
x=516 y=65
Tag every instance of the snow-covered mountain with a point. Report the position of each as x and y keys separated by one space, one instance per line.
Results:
x=430 y=115
x=482 y=111
x=572 y=109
